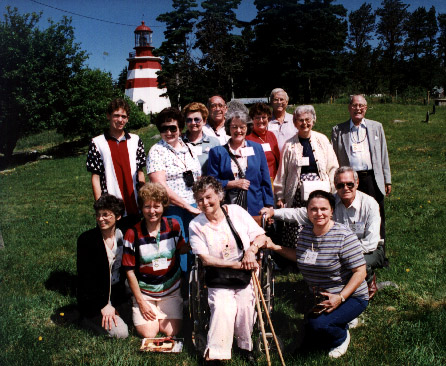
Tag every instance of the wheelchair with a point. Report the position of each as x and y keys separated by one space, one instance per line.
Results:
x=199 y=311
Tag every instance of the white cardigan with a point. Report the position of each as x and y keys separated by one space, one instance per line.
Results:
x=288 y=176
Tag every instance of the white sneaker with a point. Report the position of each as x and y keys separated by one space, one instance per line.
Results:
x=353 y=324
x=340 y=350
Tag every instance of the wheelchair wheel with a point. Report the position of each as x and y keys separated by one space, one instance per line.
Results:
x=260 y=347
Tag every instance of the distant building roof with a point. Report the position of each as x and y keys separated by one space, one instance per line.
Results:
x=252 y=100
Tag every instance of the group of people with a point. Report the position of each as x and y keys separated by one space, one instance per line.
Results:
x=207 y=188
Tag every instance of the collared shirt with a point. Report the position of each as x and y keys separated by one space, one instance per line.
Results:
x=163 y=157
x=362 y=217
x=201 y=149
x=284 y=131
x=359 y=147
x=220 y=134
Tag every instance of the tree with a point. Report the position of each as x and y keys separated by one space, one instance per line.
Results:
x=36 y=67
x=391 y=33
x=122 y=80
x=219 y=47
x=91 y=92
x=299 y=46
x=419 y=48
x=361 y=31
x=179 y=69
x=441 y=48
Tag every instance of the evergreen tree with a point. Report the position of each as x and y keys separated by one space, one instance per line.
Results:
x=391 y=33
x=361 y=31
x=179 y=69
x=441 y=49
x=221 y=61
x=419 y=48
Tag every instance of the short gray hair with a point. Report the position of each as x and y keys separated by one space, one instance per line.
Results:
x=345 y=169
x=304 y=109
x=242 y=116
x=350 y=100
x=278 y=90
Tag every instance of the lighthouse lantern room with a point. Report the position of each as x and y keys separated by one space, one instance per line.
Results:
x=142 y=85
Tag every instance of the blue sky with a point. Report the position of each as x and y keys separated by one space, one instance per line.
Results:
x=108 y=44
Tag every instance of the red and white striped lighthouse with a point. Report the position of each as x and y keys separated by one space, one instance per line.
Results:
x=142 y=84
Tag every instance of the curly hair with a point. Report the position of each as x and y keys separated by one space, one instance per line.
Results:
x=259 y=108
x=153 y=192
x=196 y=107
x=116 y=104
x=168 y=115
x=110 y=203
x=206 y=182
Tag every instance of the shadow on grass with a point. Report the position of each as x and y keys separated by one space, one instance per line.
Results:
x=63 y=150
x=62 y=282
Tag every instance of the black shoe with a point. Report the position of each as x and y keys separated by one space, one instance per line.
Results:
x=248 y=356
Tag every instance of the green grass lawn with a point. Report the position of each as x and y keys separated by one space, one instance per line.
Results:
x=46 y=204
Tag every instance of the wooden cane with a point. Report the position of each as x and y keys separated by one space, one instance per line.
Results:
x=257 y=282
x=262 y=325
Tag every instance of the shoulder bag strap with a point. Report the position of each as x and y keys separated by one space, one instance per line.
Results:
x=234 y=159
x=234 y=232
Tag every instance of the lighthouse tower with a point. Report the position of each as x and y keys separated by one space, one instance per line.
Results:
x=142 y=84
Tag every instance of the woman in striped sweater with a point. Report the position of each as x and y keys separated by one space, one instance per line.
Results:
x=330 y=259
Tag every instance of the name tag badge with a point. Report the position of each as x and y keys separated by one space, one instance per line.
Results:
x=247 y=151
x=357 y=148
x=159 y=264
x=197 y=150
x=310 y=257
x=357 y=228
x=304 y=161
x=266 y=147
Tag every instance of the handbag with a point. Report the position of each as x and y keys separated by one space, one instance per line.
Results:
x=223 y=277
x=236 y=196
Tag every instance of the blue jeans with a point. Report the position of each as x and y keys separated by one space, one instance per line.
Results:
x=184 y=217
x=329 y=330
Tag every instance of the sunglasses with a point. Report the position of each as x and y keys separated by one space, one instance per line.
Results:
x=196 y=120
x=171 y=128
x=349 y=185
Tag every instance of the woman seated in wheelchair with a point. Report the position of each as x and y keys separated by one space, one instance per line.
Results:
x=228 y=262
x=151 y=259
x=330 y=259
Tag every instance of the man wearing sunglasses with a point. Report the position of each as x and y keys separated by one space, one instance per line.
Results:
x=116 y=160
x=355 y=209
x=361 y=144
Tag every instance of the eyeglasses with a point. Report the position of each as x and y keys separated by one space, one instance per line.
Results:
x=171 y=128
x=349 y=185
x=117 y=115
x=103 y=216
x=196 y=120
x=217 y=105
x=235 y=128
x=260 y=118
x=306 y=120
x=360 y=106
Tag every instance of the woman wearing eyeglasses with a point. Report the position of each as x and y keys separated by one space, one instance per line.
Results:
x=196 y=115
x=172 y=163
x=101 y=288
x=307 y=157
x=260 y=114
x=241 y=164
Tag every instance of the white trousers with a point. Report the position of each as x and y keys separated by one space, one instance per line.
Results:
x=232 y=313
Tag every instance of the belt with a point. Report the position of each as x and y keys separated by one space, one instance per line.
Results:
x=364 y=173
